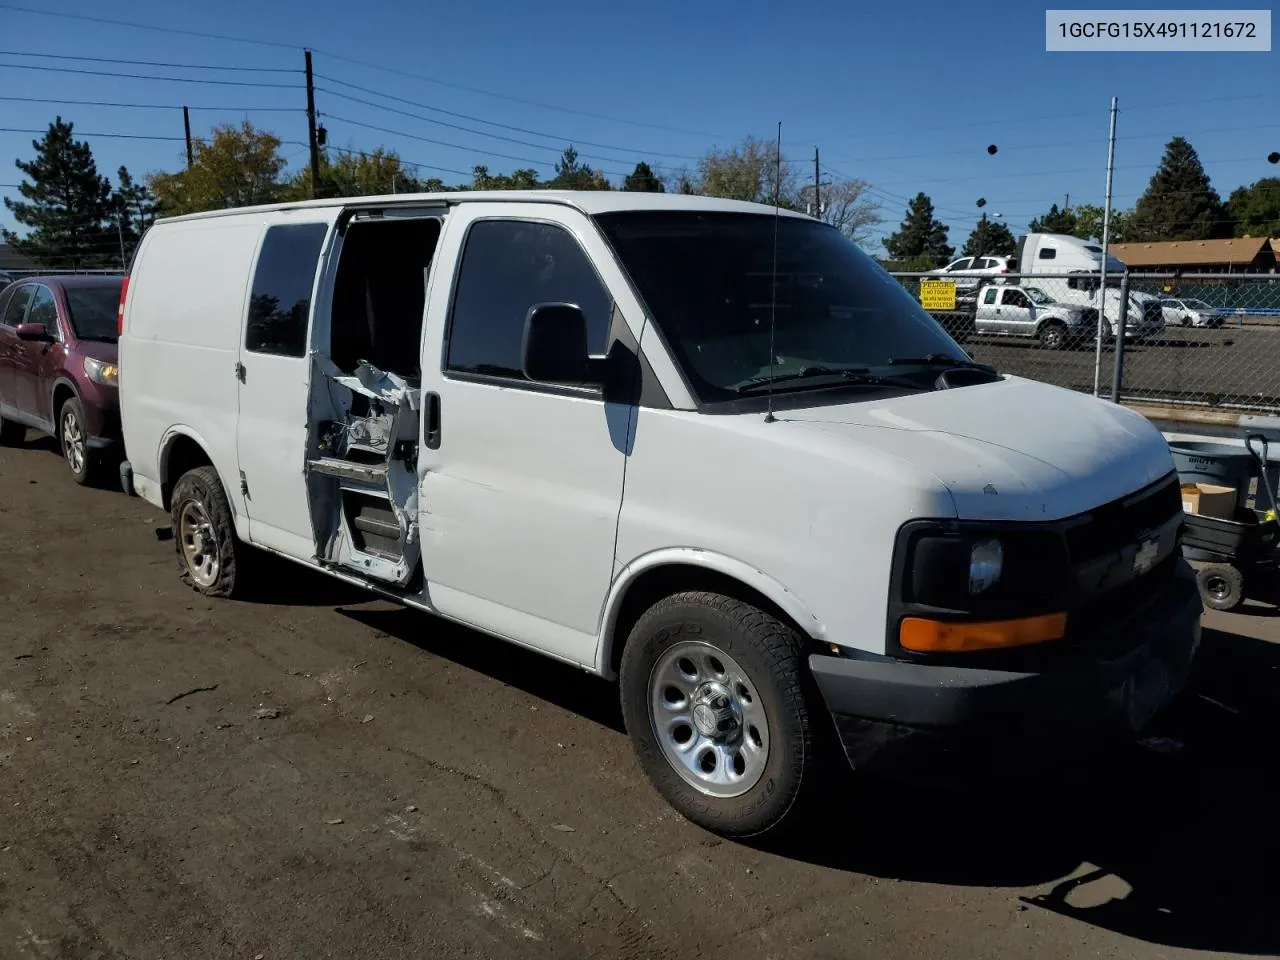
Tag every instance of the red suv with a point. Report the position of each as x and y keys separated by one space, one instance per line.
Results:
x=58 y=370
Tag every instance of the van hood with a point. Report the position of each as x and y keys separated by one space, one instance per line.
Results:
x=1012 y=450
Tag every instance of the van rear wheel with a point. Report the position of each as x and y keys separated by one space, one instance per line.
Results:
x=209 y=552
x=715 y=701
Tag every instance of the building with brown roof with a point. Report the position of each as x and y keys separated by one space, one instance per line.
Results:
x=1238 y=255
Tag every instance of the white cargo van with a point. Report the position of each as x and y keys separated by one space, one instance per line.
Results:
x=1060 y=253
x=754 y=482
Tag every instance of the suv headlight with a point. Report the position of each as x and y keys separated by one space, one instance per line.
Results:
x=99 y=371
x=986 y=561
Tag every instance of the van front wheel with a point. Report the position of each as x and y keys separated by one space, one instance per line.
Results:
x=714 y=699
x=204 y=533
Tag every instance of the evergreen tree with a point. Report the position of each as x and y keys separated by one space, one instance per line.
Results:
x=1055 y=221
x=990 y=238
x=574 y=175
x=921 y=235
x=643 y=180
x=134 y=207
x=65 y=205
x=1180 y=203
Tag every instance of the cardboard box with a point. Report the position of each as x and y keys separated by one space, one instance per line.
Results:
x=1209 y=500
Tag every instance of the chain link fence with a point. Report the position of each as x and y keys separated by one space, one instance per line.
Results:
x=1202 y=340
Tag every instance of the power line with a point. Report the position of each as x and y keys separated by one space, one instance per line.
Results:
x=455 y=126
x=140 y=76
x=439 y=143
x=148 y=63
x=146 y=26
x=492 y=123
x=117 y=136
x=151 y=106
x=363 y=63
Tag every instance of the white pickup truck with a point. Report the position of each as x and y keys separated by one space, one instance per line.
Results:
x=1027 y=311
x=705 y=448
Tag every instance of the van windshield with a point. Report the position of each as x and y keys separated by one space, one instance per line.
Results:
x=707 y=281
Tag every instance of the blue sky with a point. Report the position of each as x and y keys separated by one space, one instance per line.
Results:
x=904 y=95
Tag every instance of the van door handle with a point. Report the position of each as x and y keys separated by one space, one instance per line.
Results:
x=431 y=429
x=240 y=371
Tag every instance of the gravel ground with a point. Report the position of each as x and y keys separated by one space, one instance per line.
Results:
x=324 y=775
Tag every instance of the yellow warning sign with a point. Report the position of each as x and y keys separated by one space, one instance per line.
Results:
x=938 y=294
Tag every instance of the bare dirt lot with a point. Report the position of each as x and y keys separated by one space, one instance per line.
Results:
x=328 y=776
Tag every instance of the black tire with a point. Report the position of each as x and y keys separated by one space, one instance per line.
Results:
x=1053 y=335
x=73 y=442
x=199 y=499
x=1221 y=586
x=12 y=433
x=771 y=655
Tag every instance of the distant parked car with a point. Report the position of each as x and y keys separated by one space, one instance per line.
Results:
x=969 y=272
x=6 y=278
x=1189 y=312
x=58 y=371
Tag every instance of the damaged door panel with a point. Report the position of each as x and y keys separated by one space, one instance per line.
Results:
x=366 y=410
x=363 y=480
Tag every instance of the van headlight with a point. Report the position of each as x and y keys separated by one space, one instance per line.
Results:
x=986 y=561
x=99 y=371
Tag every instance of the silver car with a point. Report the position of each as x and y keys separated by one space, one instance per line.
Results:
x=1190 y=312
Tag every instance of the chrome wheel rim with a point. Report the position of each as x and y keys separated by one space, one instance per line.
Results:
x=73 y=441
x=199 y=543
x=1218 y=588
x=708 y=719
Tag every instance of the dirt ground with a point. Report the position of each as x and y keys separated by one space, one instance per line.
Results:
x=325 y=775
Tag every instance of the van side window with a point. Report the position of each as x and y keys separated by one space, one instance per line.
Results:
x=507 y=267
x=990 y=295
x=17 y=307
x=280 y=302
x=1048 y=253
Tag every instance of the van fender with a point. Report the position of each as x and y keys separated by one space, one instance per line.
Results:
x=744 y=573
x=166 y=447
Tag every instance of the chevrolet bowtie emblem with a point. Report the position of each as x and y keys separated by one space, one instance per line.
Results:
x=1146 y=556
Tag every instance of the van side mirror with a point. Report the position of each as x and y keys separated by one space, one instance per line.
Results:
x=33 y=333
x=554 y=346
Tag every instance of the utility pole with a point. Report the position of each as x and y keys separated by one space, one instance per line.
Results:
x=1106 y=239
x=1066 y=201
x=186 y=125
x=817 y=185
x=311 y=130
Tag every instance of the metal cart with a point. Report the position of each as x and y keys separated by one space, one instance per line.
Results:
x=1233 y=559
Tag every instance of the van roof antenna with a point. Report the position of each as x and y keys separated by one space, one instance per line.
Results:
x=773 y=296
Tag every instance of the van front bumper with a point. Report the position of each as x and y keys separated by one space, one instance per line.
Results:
x=917 y=720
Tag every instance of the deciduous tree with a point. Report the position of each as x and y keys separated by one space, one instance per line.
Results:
x=847 y=206
x=1255 y=208
x=235 y=167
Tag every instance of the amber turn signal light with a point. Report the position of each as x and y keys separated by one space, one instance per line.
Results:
x=934 y=636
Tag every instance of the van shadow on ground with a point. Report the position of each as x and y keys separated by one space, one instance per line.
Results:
x=1180 y=849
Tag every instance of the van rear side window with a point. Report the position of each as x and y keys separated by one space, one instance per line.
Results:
x=280 y=303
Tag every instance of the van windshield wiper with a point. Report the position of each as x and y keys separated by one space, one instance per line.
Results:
x=939 y=360
x=843 y=375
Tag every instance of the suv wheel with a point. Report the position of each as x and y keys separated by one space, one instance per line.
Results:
x=73 y=438
x=715 y=699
